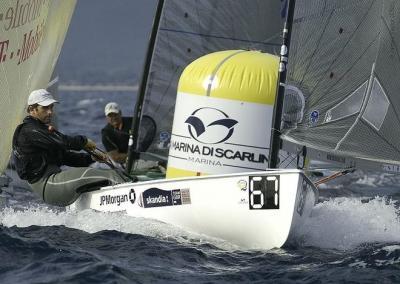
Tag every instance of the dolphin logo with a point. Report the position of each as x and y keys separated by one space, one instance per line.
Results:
x=196 y=123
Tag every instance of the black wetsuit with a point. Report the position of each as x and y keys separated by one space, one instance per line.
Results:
x=39 y=154
x=115 y=139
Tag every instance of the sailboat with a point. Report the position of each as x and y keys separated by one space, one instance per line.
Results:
x=253 y=209
x=336 y=102
x=32 y=34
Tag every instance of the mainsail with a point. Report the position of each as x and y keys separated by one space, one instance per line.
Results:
x=32 y=33
x=345 y=60
x=189 y=29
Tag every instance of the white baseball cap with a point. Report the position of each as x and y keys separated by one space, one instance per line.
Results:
x=41 y=97
x=111 y=108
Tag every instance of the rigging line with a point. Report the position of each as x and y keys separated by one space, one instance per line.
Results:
x=333 y=176
x=287 y=157
x=344 y=48
x=293 y=158
x=110 y=163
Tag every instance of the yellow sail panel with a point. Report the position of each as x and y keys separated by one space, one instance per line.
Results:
x=31 y=35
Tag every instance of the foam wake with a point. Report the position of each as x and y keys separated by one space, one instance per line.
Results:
x=344 y=223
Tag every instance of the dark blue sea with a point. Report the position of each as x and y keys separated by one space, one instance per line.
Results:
x=352 y=236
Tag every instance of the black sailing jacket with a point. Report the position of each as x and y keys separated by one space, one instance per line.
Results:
x=36 y=148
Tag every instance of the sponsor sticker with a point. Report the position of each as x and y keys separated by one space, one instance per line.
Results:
x=334 y=158
x=117 y=199
x=391 y=168
x=156 y=197
x=242 y=184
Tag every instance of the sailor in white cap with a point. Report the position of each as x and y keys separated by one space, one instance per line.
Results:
x=39 y=151
x=40 y=105
x=115 y=134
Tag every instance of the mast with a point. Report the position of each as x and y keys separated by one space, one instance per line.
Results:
x=277 y=116
x=134 y=132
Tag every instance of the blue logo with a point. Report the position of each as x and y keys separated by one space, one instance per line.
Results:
x=164 y=140
x=164 y=136
x=210 y=125
x=314 y=116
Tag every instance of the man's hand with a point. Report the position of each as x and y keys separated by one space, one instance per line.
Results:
x=99 y=156
x=90 y=145
x=117 y=156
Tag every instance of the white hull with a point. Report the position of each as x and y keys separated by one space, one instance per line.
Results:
x=232 y=207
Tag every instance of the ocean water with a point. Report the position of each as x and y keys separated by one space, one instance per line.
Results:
x=352 y=235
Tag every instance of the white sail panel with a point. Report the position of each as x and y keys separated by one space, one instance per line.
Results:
x=32 y=32
x=345 y=59
x=190 y=29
